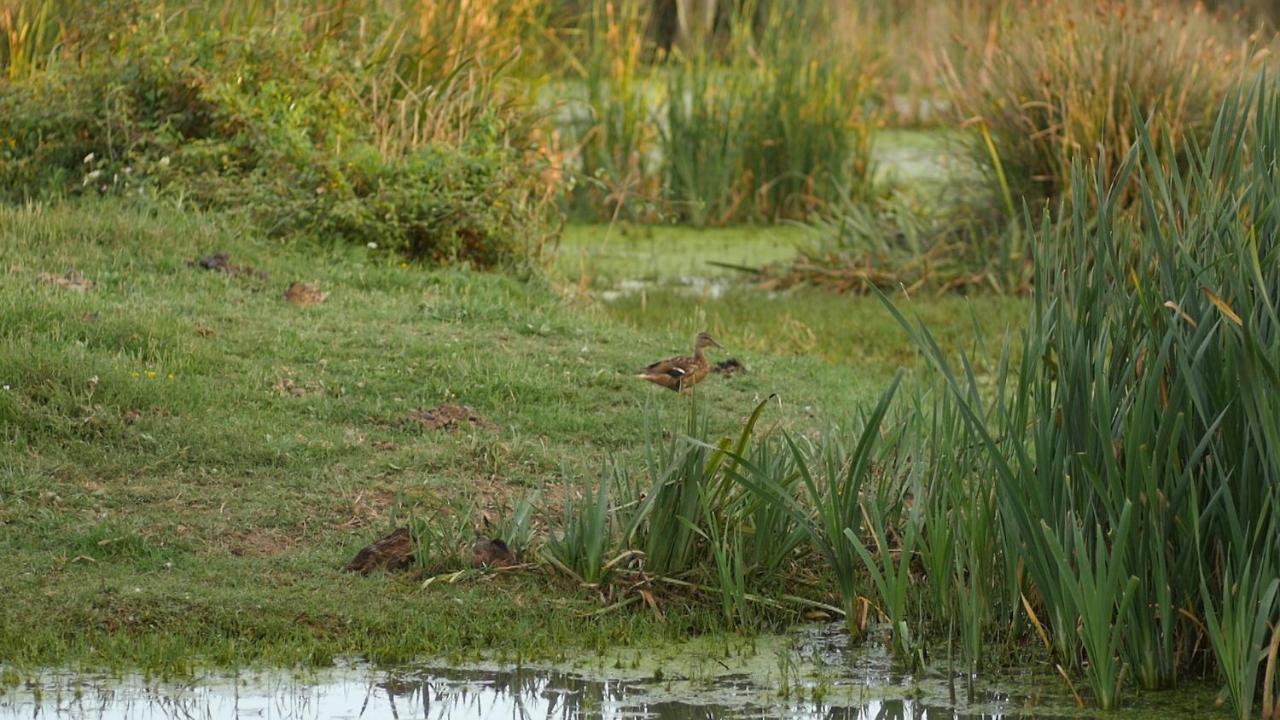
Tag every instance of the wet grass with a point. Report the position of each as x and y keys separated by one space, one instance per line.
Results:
x=188 y=459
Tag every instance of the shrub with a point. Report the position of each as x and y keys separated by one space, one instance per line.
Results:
x=277 y=127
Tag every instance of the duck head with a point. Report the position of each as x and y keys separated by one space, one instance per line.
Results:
x=704 y=340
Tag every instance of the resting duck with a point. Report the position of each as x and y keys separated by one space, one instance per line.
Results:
x=682 y=373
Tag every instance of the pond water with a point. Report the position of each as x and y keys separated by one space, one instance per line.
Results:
x=811 y=673
x=426 y=694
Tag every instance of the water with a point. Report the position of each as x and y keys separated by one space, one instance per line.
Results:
x=813 y=672
x=425 y=693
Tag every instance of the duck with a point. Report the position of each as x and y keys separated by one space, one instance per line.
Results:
x=682 y=373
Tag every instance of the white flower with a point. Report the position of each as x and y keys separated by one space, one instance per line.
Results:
x=165 y=161
x=6 y=387
x=88 y=158
x=372 y=246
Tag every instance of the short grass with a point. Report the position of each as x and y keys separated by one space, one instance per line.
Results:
x=601 y=256
x=187 y=460
x=850 y=330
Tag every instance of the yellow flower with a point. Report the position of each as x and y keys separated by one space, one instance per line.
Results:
x=133 y=374
x=404 y=265
x=170 y=377
x=151 y=373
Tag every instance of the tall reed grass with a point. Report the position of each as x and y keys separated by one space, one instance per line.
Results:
x=757 y=124
x=1135 y=444
x=1051 y=83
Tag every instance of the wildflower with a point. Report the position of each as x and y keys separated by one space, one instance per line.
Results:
x=151 y=374
x=165 y=161
x=133 y=374
x=404 y=265
x=372 y=246
x=170 y=377
x=88 y=158
x=6 y=388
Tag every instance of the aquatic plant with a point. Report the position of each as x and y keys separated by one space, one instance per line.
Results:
x=834 y=499
x=753 y=124
x=585 y=536
x=1135 y=446
x=889 y=568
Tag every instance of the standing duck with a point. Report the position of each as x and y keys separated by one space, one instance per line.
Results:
x=682 y=373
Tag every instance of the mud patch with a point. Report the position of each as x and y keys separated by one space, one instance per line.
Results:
x=367 y=507
x=260 y=542
x=70 y=280
x=286 y=386
x=448 y=417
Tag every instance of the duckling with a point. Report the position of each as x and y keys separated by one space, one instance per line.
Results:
x=682 y=373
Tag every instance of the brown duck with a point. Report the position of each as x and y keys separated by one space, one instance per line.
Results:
x=682 y=373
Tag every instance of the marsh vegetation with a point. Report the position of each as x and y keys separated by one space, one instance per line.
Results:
x=1009 y=400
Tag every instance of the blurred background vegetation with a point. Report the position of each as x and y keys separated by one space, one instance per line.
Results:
x=468 y=129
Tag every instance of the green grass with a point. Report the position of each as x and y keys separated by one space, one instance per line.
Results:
x=800 y=322
x=807 y=323
x=168 y=499
x=608 y=254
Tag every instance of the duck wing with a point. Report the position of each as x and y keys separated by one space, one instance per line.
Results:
x=669 y=373
x=675 y=367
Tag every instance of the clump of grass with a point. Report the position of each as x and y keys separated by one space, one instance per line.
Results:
x=904 y=241
x=721 y=520
x=765 y=120
x=586 y=536
x=1053 y=83
x=613 y=129
x=773 y=124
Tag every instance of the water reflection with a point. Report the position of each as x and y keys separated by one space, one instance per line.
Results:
x=435 y=693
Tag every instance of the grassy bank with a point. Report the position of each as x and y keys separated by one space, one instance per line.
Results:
x=188 y=459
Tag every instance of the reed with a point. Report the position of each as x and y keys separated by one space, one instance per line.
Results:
x=832 y=479
x=587 y=534
x=757 y=123
x=1145 y=394
x=613 y=135
x=1052 y=82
